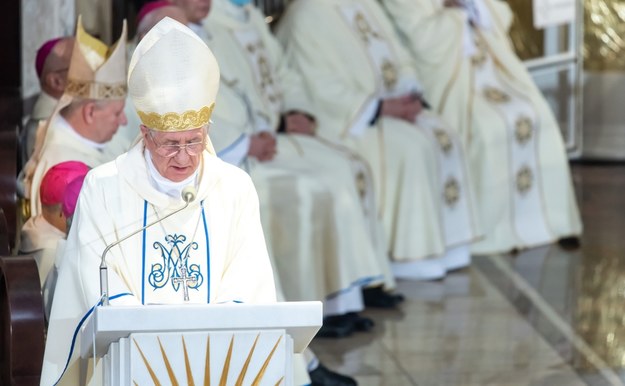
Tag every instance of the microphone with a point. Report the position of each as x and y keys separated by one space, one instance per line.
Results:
x=188 y=195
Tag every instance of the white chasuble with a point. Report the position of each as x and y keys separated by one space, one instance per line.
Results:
x=322 y=239
x=214 y=249
x=521 y=127
x=251 y=43
x=344 y=76
x=518 y=160
x=453 y=179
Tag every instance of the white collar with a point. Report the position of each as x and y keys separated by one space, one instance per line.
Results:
x=162 y=184
x=63 y=124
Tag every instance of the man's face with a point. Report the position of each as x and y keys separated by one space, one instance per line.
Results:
x=181 y=165
x=196 y=10
x=106 y=119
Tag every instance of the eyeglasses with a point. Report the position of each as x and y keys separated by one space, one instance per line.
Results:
x=169 y=151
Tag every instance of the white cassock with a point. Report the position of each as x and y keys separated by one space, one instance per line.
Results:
x=42 y=110
x=474 y=79
x=218 y=239
x=315 y=215
x=39 y=238
x=350 y=57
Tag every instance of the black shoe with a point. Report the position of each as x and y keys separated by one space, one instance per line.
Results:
x=378 y=298
x=322 y=376
x=569 y=243
x=335 y=327
x=360 y=323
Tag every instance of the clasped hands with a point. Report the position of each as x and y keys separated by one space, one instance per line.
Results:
x=262 y=146
x=406 y=107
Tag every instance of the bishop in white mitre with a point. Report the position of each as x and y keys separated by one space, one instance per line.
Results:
x=87 y=116
x=364 y=82
x=474 y=79
x=213 y=251
x=324 y=245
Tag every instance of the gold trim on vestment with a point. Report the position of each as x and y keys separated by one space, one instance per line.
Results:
x=444 y=140
x=495 y=95
x=94 y=90
x=451 y=191
x=524 y=179
x=524 y=129
x=173 y=121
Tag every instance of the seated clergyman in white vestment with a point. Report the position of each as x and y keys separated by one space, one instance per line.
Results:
x=363 y=80
x=307 y=187
x=476 y=82
x=51 y=64
x=87 y=115
x=41 y=233
x=68 y=206
x=212 y=251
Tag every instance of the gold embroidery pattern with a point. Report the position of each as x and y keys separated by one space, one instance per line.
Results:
x=524 y=130
x=495 y=95
x=389 y=74
x=364 y=28
x=480 y=57
x=361 y=184
x=524 y=180
x=191 y=119
x=451 y=192
x=444 y=140
x=93 y=90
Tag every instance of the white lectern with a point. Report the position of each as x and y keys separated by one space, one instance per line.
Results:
x=221 y=344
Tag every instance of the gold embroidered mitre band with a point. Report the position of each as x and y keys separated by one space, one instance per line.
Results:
x=97 y=71
x=191 y=119
x=173 y=78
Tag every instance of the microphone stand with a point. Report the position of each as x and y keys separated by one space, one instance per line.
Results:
x=187 y=195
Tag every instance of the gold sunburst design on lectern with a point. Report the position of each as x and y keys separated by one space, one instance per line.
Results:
x=224 y=372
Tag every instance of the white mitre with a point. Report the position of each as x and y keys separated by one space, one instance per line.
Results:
x=173 y=79
x=97 y=71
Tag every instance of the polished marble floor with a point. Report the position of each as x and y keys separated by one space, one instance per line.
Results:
x=544 y=316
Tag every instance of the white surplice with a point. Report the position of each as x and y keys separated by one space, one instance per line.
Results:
x=62 y=143
x=39 y=238
x=319 y=218
x=42 y=110
x=474 y=79
x=218 y=239
x=350 y=57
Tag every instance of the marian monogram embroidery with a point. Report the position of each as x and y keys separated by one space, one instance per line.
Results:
x=173 y=266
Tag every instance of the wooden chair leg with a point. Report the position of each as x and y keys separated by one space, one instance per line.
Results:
x=22 y=339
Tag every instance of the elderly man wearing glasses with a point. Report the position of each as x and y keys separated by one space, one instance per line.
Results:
x=207 y=248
